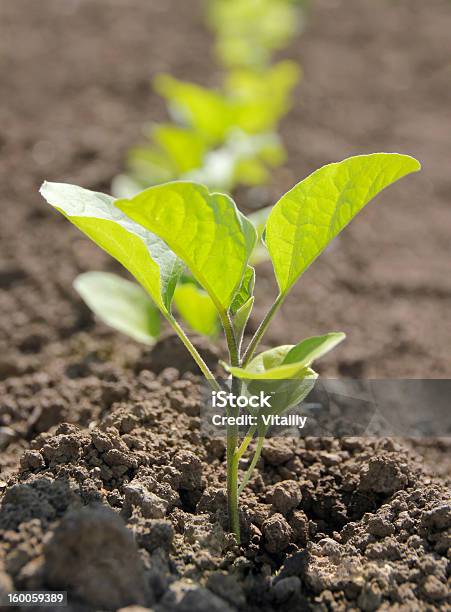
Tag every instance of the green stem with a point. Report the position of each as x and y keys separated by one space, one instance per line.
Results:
x=250 y=469
x=232 y=433
x=232 y=430
x=194 y=354
x=232 y=466
x=247 y=440
x=261 y=330
x=230 y=337
x=232 y=478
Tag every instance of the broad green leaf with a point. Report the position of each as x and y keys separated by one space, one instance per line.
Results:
x=307 y=218
x=142 y=253
x=123 y=305
x=249 y=102
x=204 y=229
x=196 y=309
x=268 y=366
x=287 y=361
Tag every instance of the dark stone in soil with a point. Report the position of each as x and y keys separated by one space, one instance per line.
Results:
x=93 y=556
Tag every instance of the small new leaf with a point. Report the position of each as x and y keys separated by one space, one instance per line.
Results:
x=121 y=304
x=287 y=361
x=245 y=292
x=241 y=318
x=307 y=218
x=243 y=303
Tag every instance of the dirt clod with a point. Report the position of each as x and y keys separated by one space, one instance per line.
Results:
x=383 y=475
x=156 y=534
x=286 y=588
x=183 y=597
x=277 y=451
x=285 y=496
x=92 y=555
x=277 y=533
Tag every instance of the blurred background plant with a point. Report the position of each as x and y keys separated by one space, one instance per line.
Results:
x=227 y=136
x=223 y=137
x=249 y=32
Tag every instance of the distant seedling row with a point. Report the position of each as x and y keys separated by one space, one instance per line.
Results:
x=221 y=137
x=225 y=136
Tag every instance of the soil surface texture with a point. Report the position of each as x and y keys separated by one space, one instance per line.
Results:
x=108 y=489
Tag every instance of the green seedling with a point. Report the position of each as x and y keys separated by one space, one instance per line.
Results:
x=248 y=32
x=249 y=101
x=222 y=138
x=159 y=233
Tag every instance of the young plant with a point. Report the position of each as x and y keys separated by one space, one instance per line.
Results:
x=223 y=138
x=248 y=32
x=167 y=228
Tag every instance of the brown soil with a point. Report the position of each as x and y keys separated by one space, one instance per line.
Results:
x=98 y=435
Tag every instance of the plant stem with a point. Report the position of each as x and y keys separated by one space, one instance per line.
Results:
x=230 y=337
x=232 y=430
x=232 y=478
x=232 y=466
x=261 y=330
x=250 y=469
x=247 y=440
x=232 y=434
x=194 y=354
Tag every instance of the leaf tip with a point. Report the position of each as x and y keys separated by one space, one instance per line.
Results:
x=44 y=188
x=79 y=282
x=47 y=190
x=417 y=165
x=414 y=163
